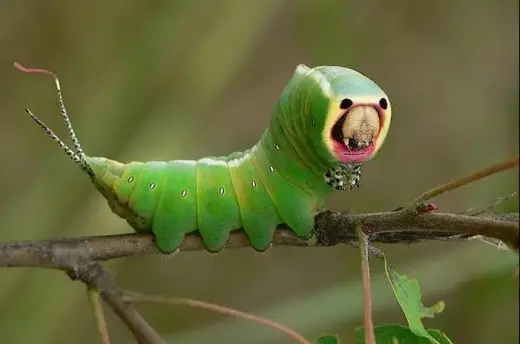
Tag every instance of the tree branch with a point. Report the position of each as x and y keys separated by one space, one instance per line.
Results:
x=407 y=227
x=332 y=228
x=79 y=257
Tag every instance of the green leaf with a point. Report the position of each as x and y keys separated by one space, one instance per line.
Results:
x=398 y=334
x=331 y=339
x=408 y=295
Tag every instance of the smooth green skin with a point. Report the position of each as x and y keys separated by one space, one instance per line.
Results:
x=279 y=180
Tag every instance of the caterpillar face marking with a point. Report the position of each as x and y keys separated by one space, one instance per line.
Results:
x=328 y=120
x=355 y=132
x=383 y=103
x=346 y=103
x=360 y=127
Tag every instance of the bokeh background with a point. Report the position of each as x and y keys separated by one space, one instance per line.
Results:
x=163 y=80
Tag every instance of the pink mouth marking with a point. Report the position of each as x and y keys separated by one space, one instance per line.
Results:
x=351 y=154
x=346 y=154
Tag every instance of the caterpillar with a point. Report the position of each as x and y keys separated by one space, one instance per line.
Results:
x=328 y=121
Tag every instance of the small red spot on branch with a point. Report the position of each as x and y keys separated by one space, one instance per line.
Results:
x=427 y=207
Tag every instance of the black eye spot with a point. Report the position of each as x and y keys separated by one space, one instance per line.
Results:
x=346 y=103
x=383 y=103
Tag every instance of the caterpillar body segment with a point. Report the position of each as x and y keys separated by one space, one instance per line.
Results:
x=295 y=195
x=258 y=214
x=176 y=211
x=327 y=122
x=217 y=207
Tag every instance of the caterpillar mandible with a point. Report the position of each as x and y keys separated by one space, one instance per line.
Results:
x=327 y=122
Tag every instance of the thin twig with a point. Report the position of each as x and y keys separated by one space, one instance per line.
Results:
x=95 y=276
x=367 y=289
x=93 y=296
x=492 y=205
x=137 y=297
x=454 y=184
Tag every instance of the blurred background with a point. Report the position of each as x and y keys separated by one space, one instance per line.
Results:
x=183 y=79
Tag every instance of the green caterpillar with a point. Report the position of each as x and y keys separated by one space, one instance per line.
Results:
x=327 y=122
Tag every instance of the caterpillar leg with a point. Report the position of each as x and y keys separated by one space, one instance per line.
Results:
x=344 y=176
x=168 y=243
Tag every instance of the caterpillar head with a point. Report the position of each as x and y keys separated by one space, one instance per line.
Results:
x=348 y=114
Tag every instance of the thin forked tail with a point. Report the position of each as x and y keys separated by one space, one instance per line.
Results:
x=78 y=156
